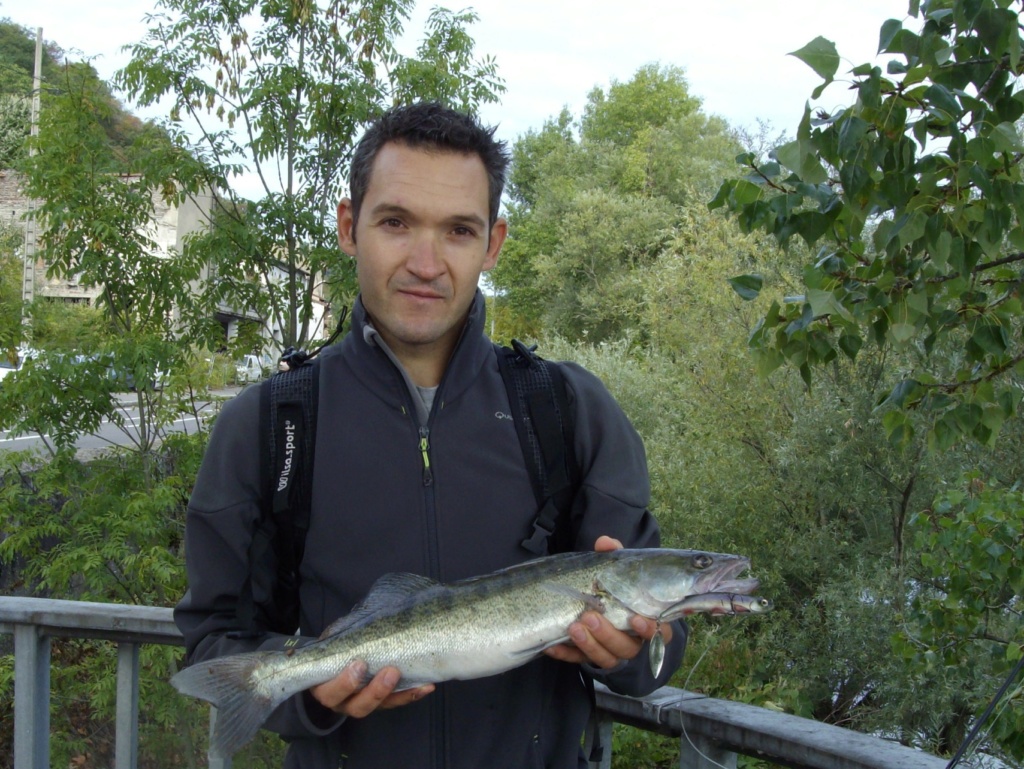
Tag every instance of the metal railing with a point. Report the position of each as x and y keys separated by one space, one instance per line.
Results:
x=711 y=732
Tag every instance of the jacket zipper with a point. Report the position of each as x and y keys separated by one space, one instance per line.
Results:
x=428 y=475
x=438 y=705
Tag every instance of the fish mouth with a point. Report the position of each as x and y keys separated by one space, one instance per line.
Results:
x=724 y=579
x=739 y=586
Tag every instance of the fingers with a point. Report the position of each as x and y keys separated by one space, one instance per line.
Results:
x=566 y=653
x=347 y=695
x=647 y=628
x=605 y=544
x=597 y=642
x=601 y=643
x=366 y=700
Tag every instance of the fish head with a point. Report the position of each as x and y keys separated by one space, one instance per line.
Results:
x=651 y=582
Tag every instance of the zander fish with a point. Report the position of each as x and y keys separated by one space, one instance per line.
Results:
x=469 y=629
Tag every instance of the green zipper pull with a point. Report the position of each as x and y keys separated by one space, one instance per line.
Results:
x=428 y=476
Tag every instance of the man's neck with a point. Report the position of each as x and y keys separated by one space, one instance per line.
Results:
x=423 y=364
x=424 y=367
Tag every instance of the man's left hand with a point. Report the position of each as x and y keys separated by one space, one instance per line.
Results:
x=597 y=642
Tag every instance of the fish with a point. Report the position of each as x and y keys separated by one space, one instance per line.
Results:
x=717 y=604
x=481 y=626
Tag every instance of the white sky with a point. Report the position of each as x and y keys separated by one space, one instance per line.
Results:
x=553 y=52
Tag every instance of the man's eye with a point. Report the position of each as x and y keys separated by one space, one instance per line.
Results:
x=463 y=232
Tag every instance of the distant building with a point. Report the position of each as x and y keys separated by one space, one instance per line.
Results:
x=170 y=226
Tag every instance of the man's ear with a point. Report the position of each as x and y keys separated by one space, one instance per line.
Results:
x=498 y=234
x=346 y=227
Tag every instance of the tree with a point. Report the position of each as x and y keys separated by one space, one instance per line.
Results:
x=17 y=65
x=913 y=197
x=97 y=227
x=915 y=193
x=593 y=205
x=11 y=241
x=15 y=122
x=281 y=90
x=17 y=59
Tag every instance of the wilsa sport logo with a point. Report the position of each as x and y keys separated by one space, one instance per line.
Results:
x=290 y=431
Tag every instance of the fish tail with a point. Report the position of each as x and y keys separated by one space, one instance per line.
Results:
x=226 y=683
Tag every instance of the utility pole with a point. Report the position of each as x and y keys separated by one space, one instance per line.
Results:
x=28 y=284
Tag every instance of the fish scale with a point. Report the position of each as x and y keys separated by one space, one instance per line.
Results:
x=477 y=627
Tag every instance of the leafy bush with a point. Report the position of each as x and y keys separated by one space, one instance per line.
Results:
x=109 y=530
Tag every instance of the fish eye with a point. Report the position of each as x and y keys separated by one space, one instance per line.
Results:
x=702 y=561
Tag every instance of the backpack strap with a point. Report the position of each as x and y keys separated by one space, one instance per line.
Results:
x=540 y=409
x=288 y=417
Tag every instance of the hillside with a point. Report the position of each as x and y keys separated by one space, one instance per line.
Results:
x=59 y=75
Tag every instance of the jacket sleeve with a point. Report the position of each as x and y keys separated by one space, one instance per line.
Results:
x=612 y=500
x=223 y=513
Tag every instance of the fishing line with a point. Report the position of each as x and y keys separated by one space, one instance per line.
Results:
x=682 y=721
x=984 y=716
x=996 y=717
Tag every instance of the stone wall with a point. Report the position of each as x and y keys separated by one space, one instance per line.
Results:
x=12 y=202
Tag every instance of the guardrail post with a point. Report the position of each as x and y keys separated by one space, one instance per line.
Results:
x=604 y=725
x=126 y=733
x=697 y=752
x=31 y=698
x=217 y=763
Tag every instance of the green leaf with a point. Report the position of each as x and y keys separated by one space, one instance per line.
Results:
x=723 y=195
x=947 y=105
x=850 y=344
x=821 y=56
x=1016 y=237
x=825 y=303
x=906 y=390
x=989 y=339
x=747 y=286
x=744 y=192
x=789 y=155
x=898 y=429
x=940 y=250
x=768 y=360
x=944 y=434
x=902 y=332
x=1006 y=139
x=890 y=28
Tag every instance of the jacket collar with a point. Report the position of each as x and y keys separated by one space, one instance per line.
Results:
x=372 y=365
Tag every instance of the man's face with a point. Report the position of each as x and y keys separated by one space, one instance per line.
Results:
x=421 y=242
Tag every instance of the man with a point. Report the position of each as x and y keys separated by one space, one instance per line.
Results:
x=419 y=469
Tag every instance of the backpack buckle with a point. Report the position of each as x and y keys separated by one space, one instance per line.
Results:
x=537 y=542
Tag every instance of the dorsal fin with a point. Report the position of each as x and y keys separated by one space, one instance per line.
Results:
x=388 y=593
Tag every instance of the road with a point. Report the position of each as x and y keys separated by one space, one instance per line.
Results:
x=112 y=435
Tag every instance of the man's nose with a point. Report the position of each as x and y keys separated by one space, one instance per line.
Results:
x=424 y=260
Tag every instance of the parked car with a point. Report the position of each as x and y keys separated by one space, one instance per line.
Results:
x=6 y=367
x=253 y=368
x=21 y=355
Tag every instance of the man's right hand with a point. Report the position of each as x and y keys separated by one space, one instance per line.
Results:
x=346 y=694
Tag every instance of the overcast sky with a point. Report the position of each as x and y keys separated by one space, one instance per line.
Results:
x=551 y=53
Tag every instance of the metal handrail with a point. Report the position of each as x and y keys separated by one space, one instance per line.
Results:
x=711 y=732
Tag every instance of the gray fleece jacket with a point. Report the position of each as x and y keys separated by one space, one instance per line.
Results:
x=376 y=509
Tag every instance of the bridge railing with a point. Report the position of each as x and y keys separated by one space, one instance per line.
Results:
x=711 y=732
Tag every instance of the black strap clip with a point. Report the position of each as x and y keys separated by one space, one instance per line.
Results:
x=543 y=527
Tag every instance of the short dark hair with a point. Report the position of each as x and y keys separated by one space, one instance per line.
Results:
x=431 y=126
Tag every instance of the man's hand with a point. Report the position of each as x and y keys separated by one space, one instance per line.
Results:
x=346 y=694
x=597 y=642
